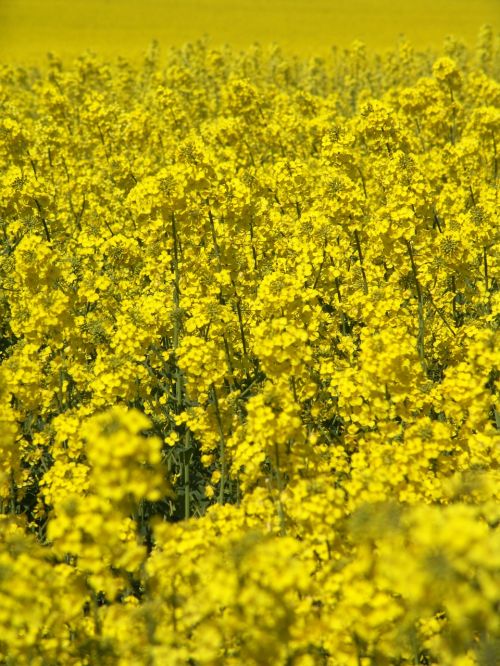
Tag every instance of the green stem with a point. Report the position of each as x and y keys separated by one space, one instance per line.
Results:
x=179 y=388
x=316 y=280
x=363 y=181
x=240 y=322
x=187 y=488
x=454 y=303
x=222 y=446
x=421 y=322
x=44 y=221
x=214 y=238
x=360 y=255
x=485 y=262
x=281 y=513
x=176 y=333
x=254 y=253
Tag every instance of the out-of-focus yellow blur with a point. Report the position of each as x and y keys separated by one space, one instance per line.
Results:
x=30 y=28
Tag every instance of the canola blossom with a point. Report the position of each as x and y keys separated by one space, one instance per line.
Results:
x=250 y=359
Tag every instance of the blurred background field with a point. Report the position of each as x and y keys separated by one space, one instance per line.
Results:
x=31 y=28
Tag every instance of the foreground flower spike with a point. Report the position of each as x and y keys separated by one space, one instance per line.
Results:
x=250 y=359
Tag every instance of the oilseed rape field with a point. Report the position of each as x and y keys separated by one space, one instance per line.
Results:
x=250 y=359
x=29 y=28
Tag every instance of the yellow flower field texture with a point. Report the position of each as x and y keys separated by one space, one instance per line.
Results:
x=249 y=358
x=30 y=28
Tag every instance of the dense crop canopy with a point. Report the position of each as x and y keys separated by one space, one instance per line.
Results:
x=249 y=349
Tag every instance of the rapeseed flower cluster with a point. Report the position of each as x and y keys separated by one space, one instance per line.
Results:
x=250 y=359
